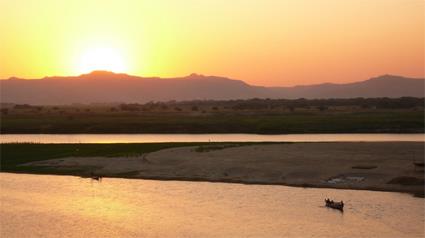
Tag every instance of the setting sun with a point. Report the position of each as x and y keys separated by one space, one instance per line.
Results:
x=269 y=43
x=101 y=58
x=212 y=118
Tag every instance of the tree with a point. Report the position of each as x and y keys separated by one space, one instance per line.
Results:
x=323 y=108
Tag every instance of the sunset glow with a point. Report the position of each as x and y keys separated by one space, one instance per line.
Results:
x=212 y=118
x=101 y=59
x=261 y=42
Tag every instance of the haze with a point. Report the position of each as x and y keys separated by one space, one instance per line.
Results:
x=271 y=43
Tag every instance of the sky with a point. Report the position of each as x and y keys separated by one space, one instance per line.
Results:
x=263 y=42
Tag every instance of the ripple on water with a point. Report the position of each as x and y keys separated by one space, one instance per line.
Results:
x=52 y=206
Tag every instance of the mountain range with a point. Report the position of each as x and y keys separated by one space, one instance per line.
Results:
x=109 y=87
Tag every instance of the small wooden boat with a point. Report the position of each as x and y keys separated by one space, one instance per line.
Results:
x=335 y=205
x=98 y=178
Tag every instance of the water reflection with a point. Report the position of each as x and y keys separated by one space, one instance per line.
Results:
x=144 y=138
x=53 y=206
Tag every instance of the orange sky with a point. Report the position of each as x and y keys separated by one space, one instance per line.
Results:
x=267 y=42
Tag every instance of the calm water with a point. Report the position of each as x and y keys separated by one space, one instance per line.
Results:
x=140 y=138
x=55 y=206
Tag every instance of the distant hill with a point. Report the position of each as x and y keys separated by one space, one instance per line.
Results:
x=108 y=87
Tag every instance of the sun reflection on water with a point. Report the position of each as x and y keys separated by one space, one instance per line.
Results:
x=65 y=206
x=99 y=207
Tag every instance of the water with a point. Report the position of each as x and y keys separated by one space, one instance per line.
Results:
x=144 y=138
x=56 y=206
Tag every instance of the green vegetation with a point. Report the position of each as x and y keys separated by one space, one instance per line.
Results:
x=14 y=154
x=207 y=148
x=262 y=116
x=302 y=122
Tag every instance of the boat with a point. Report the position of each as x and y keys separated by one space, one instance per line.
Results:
x=98 y=178
x=335 y=205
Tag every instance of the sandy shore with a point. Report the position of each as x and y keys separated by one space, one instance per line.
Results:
x=385 y=166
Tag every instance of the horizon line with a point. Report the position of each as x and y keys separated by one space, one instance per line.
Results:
x=204 y=76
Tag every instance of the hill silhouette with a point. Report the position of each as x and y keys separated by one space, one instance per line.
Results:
x=109 y=87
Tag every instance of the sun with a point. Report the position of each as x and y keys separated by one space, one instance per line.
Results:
x=102 y=58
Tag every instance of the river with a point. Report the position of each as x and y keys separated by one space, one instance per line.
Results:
x=146 y=138
x=67 y=206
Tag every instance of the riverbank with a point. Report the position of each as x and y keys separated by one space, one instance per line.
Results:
x=303 y=121
x=381 y=166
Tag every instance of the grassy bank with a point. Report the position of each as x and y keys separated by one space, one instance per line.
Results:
x=14 y=154
x=382 y=166
x=225 y=122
